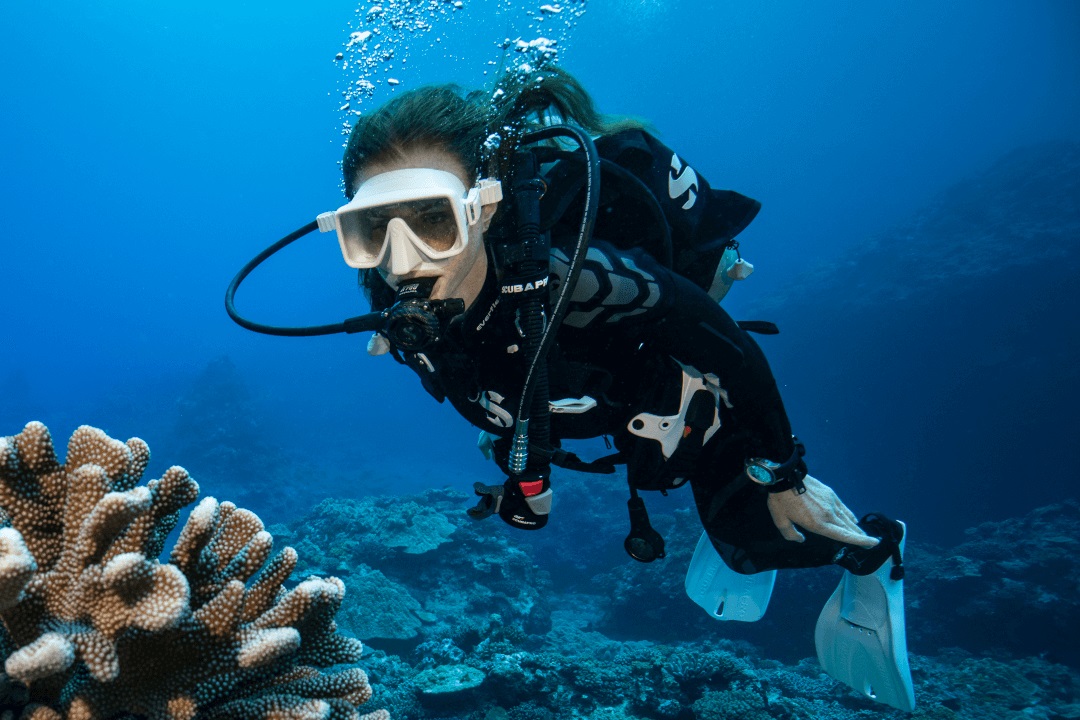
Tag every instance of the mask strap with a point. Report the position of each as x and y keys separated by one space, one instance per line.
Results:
x=486 y=192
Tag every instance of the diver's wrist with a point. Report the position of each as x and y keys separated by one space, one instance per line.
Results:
x=776 y=477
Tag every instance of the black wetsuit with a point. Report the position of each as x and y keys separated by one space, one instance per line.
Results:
x=628 y=317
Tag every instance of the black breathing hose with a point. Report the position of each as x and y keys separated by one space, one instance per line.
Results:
x=361 y=323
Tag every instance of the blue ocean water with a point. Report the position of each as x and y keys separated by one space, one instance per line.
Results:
x=929 y=346
x=152 y=149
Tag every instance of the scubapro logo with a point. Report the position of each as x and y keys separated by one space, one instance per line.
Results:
x=496 y=414
x=525 y=287
x=682 y=179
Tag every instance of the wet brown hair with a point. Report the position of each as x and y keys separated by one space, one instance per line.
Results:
x=439 y=115
x=460 y=121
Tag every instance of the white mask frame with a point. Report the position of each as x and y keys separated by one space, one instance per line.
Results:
x=402 y=186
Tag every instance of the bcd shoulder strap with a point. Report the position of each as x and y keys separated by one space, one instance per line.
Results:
x=649 y=198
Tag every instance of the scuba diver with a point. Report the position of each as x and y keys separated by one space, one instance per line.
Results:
x=555 y=274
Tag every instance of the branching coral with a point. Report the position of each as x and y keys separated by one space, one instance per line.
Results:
x=95 y=625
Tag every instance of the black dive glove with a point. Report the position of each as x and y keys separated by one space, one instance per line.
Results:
x=523 y=501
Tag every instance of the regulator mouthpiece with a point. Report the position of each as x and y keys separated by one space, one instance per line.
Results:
x=415 y=323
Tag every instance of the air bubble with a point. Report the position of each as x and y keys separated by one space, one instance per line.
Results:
x=383 y=30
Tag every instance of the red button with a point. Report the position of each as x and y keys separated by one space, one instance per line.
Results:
x=531 y=487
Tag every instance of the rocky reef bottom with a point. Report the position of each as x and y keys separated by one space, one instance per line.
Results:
x=575 y=673
x=473 y=621
x=463 y=620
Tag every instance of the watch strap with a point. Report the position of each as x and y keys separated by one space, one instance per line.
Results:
x=790 y=474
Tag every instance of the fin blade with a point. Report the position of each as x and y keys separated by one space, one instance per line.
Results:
x=861 y=640
x=723 y=593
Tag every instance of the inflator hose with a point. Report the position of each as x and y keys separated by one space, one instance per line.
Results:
x=361 y=323
x=581 y=248
x=536 y=248
x=535 y=377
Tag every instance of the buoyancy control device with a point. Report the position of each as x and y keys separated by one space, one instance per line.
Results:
x=653 y=200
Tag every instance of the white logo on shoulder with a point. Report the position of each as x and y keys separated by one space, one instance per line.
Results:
x=496 y=414
x=682 y=179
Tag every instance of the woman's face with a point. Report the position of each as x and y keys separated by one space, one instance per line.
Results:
x=463 y=275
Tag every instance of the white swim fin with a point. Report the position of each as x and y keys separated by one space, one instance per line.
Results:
x=724 y=593
x=861 y=640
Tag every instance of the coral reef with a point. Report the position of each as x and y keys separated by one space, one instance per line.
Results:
x=649 y=601
x=710 y=679
x=389 y=611
x=469 y=577
x=1019 y=576
x=618 y=640
x=95 y=626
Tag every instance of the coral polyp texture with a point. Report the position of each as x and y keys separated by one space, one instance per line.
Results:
x=96 y=626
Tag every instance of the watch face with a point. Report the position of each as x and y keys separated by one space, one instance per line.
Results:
x=760 y=475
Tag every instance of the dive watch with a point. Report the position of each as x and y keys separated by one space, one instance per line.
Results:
x=778 y=477
x=762 y=471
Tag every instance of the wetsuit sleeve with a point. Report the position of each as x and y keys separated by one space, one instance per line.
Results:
x=630 y=294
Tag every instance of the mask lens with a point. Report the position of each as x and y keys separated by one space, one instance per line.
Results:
x=432 y=220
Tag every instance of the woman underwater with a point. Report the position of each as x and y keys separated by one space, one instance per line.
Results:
x=467 y=228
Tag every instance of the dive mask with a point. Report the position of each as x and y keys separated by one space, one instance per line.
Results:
x=420 y=216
